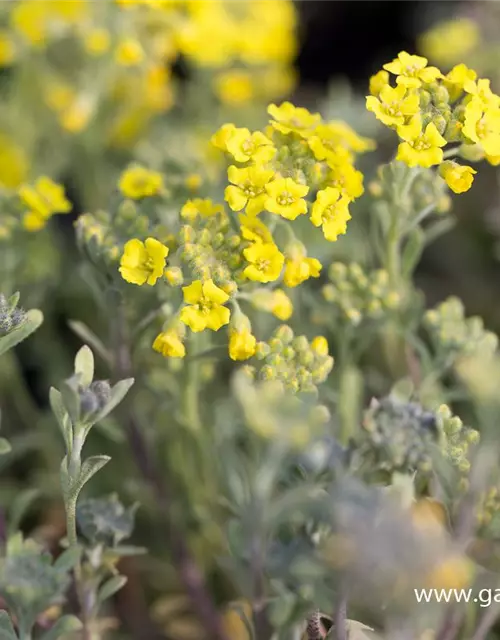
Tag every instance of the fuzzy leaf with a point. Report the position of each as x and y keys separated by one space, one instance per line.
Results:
x=66 y=624
x=68 y=559
x=34 y=319
x=13 y=301
x=4 y=446
x=62 y=417
x=89 y=468
x=110 y=587
x=84 y=365
x=118 y=392
x=71 y=400
x=6 y=627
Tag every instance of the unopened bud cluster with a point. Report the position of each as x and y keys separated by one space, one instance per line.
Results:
x=11 y=316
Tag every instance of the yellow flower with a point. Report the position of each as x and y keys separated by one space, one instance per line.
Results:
x=285 y=198
x=7 y=49
x=482 y=125
x=420 y=148
x=193 y=181
x=169 y=344
x=245 y=146
x=13 y=163
x=412 y=71
x=255 y=230
x=266 y=262
x=347 y=179
x=482 y=92
x=205 y=306
x=129 y=53
x=143 y=262
x=337 y=135
x=275 y=302
x=298 y=267
x=203 y=207
x=291 y=119
x=242 y=344
x=97 y=41
x=234 y=87
x=42 y=200
x=76 y=117
x=460 y=77
x=454 y=572
x=393 y=105
x=220 y=137
x=137 y=182
x=458 y=177
x=331 y=211
x=378 y=82
x=247 y=188
x=448 y=41
x=319 y=345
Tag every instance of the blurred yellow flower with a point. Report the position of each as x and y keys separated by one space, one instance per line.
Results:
x=97 y=41
x=137 y=182
x=298 y=267
x=234 y=87
x=242 y=344
x=7 y=49
x=287 y=118
x=448 y=41
x=129 y=53
x=43 y=200
x=13 y=163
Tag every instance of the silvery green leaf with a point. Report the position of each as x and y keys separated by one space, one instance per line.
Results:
x=34 y=319
x=66 y=624
x=13 y=301
x=68 y=559
x=84 y=365
x=88 y=336
x=71 y=399
x=4 y=446
x=110 y=587
x=65 y=479
x=62 y=417
x=90 y=467
x=118 y=392
x=6 y=627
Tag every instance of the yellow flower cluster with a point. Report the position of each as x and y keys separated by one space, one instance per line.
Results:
x=358 y=296
x=226 y=257
x=430 y=110
x=41 y=201
x=297 y=156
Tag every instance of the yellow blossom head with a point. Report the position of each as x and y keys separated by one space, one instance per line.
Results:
x=458 y=177
x=331 y=212
x=265 y=262
x=204 y=306
x=137 y=182
x=285 y=198
x=143 y=262
x=169 y=344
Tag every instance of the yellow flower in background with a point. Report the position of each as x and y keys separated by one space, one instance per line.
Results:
x=247 y=190
x=169 y=344
x=234 y=87
x=13 y=163
x=276 y=302
x=412 y=71
x=266 y=262
x=97 y=41
x=242 y=344
x=298 y=267
x=137 y=182
x=421 y=148
x=482 y=125
x=287 y=118
x=143 y=262
x=378 y=82
x=454 y=572
x=205 y=306
x=331 y=212
x=458 y=177
x=42 y=200
x=255 y=230
x=448 y=41
x=393 y=105
x=200 y=207
x=76 y=117
x=129 y=53
x=460 y=77
x=220 y=137
x=7 y=49
x=347 y=179
x=245 y=146
x=285 y=198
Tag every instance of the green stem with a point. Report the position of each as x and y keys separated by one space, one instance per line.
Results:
x=190 y=400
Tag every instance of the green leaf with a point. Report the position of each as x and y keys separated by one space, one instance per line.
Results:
x=66 y=624
x=68 y=559
x=84 y=366
x=4 y=446
x=62 y=417
x=126 y=550
x=118 y=392
x=71 y=399
x=89 y=468
x=110 y=587
x=6 y=627
x=13 y=301
x=412 y=251
x=20 y=506
x=34 y=319
x=88 y=336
